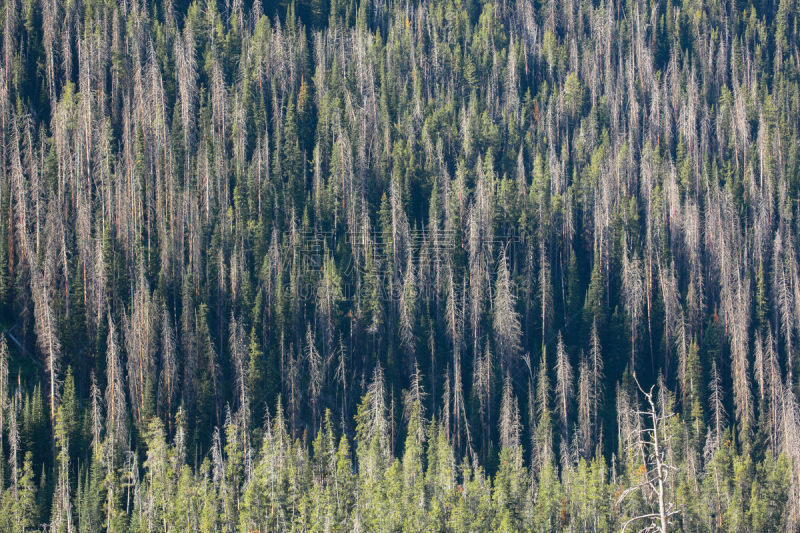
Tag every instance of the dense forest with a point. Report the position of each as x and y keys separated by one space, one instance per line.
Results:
x=399 y=265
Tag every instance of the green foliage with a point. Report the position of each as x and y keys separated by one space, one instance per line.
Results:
x=377 y=190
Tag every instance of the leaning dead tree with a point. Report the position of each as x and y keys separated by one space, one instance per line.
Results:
x=649 y=437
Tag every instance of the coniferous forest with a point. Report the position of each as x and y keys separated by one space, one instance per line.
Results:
x=399 y=265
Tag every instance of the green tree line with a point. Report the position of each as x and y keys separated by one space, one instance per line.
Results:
x=399 y=265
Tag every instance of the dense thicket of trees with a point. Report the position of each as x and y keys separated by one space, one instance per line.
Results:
x=399 y=265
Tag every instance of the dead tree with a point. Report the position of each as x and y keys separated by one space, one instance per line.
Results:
x=650 y=435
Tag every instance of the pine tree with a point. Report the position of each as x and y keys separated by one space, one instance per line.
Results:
x=116 y=407
x=209 y=212
x=61 y=519
x=413 y=457
x=46 y=336
x=25 y=508
x=543 y=436
x=292 y=164
x=4 y=392
x=168 y=379
x=505 y=321
x=564 y=384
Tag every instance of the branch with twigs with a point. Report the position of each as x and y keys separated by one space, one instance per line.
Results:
x=656 y=475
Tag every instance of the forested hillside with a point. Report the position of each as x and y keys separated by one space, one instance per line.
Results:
x=399 y=265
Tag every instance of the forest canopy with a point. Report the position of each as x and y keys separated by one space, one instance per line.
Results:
x=399 y=265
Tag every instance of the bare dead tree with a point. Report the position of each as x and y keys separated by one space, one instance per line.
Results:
x=596 y=382
x=657 y=469
x=315 y=374
x=584 y=435
x=510 y=426
x=505 y=320
x=140 y=344
x=564 y=383
x=790 y=445
x=96 y=412
x=408 y=307
x=482 y=370
x=14 y=444
x=4 y=398
x=773 y=388
x=545 y=291
x=168 y=379
x=477 y=277
x=633 y=292
x=116 y=419
x=46 y=337
x=718 y=415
